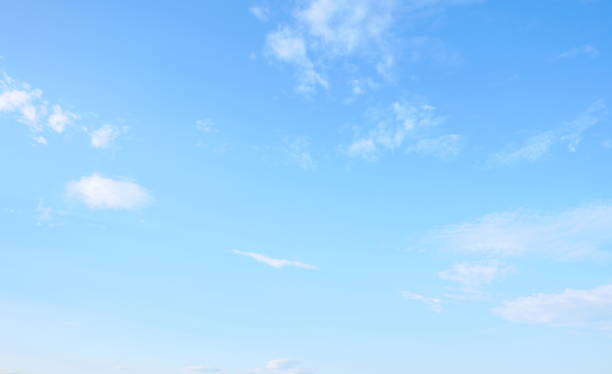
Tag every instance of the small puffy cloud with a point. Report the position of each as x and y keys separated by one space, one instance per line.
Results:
x=261 y=12
x=59 y=119
x=569 y=134
x=573 y=233
x=584 y=50
x=98 y=192
x=432 y=303
x=273 y=262
x=573 y=308
x=21 y=100
x=104 y=136
x=200 y=369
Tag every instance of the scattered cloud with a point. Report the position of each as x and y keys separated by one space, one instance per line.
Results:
x=575 y=233
x=261 y=12
x=432 y=303
x=405 y=126
x=104 y=136
x=59 y=119
x=22 y=100
x=584 y=50
x=569 y=134
x=98 y=192
x=321 y=31
x=275 y=263
x=570 y=308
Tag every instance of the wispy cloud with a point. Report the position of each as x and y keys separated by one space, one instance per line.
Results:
x=406 y=126
x=98 y=192
x=584 y=50
x=569 y=134
x=590 y=308
x=574 y=233
x=472 y=277
x=432 y=303
x=273 y=262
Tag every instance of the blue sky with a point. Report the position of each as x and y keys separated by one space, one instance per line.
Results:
x=308 y=186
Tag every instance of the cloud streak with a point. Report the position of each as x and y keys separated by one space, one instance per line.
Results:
x=275 y=263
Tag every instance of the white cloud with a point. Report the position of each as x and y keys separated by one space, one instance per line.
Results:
x=260 y=12
x=474 y=274
x=569 y=134
x=433 y=303
x=326 y=30
x=98 y=192
x=289 y=46
x=584 y=50
x=570 y=308
x=201 y=369
x=104 y=136
x=575 y=233
x=275 y=263
x=406 y=126
x=22 y=100
x=40 y=139
x=59 y=119
x=342 y=26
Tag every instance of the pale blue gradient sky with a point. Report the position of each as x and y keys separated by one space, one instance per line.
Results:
x=346 y=186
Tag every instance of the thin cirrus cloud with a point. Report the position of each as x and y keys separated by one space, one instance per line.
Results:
x=273 y=262
x=575 y=233
x=433 y=303
x=570 y=134
x=405 y=126
x=590 y=308
x=584 y=50
x=98 y=192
